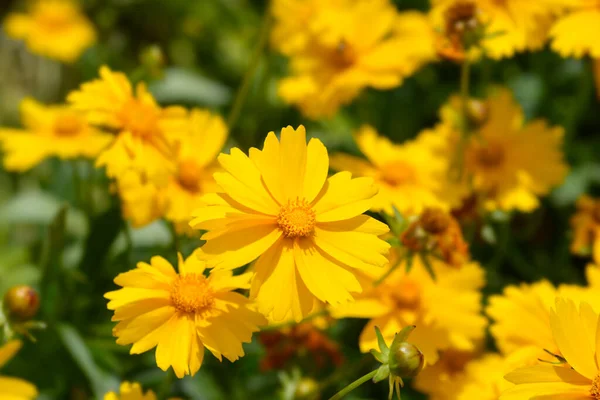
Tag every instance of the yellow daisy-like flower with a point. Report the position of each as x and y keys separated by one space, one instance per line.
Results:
x=53 y=28
x=498 y=162
x=142 y=143
x=574 y=329
x=444 y=379
x=446 y=311
x=410 y=176
x=14 y=388
x=306 y=230
x=352 y=45
x=130 y=391
x=182 y=313
x=49 y=131
x=586 y=228
x=574 y=35
x=511 y=25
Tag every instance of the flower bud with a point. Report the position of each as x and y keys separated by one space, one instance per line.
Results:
x=478 y=112
x=405 y=360
x=435 y=220
x=21 y=302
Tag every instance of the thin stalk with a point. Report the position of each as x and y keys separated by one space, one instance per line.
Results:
x=353 y=385
x=465 y=80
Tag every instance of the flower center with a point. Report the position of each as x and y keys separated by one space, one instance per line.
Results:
x=398 y=173
x=139 y=118
x=192 y=294
x=68 y=124
x=54 y=17
x=297 y=219
x=407 y=295
x=343 y=56
x=490 y=156
x=189 y=175
x=595 y=390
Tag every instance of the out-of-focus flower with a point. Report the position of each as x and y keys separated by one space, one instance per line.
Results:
x=510 y=25
x=498 y=165
x=141 y=202
x=49 y=131
x=53 y=28
x=438 y=233
x=130 y=391
x=306 y=230
x=573 y=35
x=574 y=329
x=410 y=176
x=291 y=35
x=346 y=46
x=182 y=313
x=141 y=143
x=444 y=379
x=14 y=388
x=586 y=228
x=462 y=34
x=446 y=310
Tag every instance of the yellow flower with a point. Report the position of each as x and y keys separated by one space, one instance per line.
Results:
x=290 y=35
x=574 y=329
x=14 y=388
x=53 y=28
x=130 y=391
x=306 y=230
x=574 y=35
x=351 y=45
x=446 y=311
x=49 y=131
x=141 y=201
x=141 y=144
x=511 y=25
x=410 y=176
x=508 y=163
x=181 y=313
x=586 y=228
x=444 y=379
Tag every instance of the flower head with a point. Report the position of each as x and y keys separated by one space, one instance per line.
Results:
x=181 y=313
x=130 y=391
x=305 y=230
x=586 y=228
x=49 y=131
x=144 y=129
x=573 y=35
x=53 y=28
x=14 y=388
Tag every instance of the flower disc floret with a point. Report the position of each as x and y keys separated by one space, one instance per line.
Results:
x=68 y=124
x=297 y=219
x=192 y=294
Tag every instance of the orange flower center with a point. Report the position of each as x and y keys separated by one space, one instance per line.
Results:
x=54 y=17
x=297 y=219
x=398 y=173
x=595 y=390
x=68 y=124
x=189 y=175
x=343 y=56
x=407 y=295
x=139 y=118
x=192 y=294
x=490 y=156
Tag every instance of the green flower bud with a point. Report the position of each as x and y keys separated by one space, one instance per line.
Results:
x=405 y=360
x=21 y=303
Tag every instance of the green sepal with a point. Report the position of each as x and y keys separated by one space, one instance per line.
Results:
x=383 y=347
x=382 y=373
x=403 y=334
x=381 y=357
x=427 y=265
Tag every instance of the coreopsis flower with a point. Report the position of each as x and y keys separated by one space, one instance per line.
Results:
x=130 y=391
x=444 y=379
x=574 y=329
x=52 y=28
x=196 y=162
x=49 y=131
x=181 y=313
x=305 y=230
x=445 y=309
x=410 y=176
x=141 y=143
x=498 y=165
x=14 y=388
x=510 y=26
x=352 y=45
x=586 y=228
x=573 y=34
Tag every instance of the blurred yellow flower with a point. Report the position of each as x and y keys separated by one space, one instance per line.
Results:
x=49 y=131
x=410 y=176
x=142 y=142
x=347 y=46
x=290 y=35
x=444 y=379
x=141 y=202
x=53 y=28
x=14 y=388
x=130 y=391
x=508 y=163
x=511 y=25
x=574 y=329
x=182 y=313
x=446 y=311
x=306 y=230
x=586 y=228
x=574 y=34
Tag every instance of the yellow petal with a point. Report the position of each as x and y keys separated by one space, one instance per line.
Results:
x=350 y=247
x=343 y=197
x=174 y=346
x=547 y=391
x=16 y=389
x=293 y=155
x=8 y=351
x=317 y=167
x=271 y=166
x=546 y=373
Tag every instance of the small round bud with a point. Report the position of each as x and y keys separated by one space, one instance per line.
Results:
x=405 y=360
x=21 y=302
x=305 y=387
x=478 y=112
x=434 y=220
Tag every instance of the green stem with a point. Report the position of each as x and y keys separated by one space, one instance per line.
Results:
x=353 y=385
x=465 y=80
x=242 y=92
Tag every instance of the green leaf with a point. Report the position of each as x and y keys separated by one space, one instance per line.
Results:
x=382 y=373
x=183 y=86
x=100 y=381
x=424 y=257
x=51 y=265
